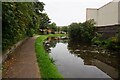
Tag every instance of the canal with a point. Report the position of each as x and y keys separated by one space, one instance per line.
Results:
x=80 y=60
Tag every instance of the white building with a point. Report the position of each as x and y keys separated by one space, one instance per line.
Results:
x=106 y=15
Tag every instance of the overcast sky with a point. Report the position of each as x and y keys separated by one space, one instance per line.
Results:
x=64 y=12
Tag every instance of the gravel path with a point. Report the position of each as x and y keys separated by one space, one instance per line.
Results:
x=24 y=63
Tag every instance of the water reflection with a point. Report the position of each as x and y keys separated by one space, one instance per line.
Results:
x=78 y=60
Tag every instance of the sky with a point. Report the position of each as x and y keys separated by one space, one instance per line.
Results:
x=65 y=12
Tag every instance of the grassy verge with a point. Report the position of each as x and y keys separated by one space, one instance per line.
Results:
x=47 y=68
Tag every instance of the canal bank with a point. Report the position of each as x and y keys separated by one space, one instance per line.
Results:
x=46 y=66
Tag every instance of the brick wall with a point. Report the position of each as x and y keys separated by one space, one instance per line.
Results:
x=108 y=31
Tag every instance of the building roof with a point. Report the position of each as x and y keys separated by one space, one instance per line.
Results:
x=116 y=1
x=103 y=5
x=109 y=3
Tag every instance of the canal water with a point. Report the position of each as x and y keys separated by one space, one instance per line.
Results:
x=80 y=60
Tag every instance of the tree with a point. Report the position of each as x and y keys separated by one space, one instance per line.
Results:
x=43 y=17
x=44 y=21
x=20 y=20
x=82 y=31
x=52 y=27
x=64 y=29
x=74 y=31
x=38 y=7
x=58 y=29
x=88 y=30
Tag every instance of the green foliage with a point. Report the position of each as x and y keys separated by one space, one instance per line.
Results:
x=96 y=39
x=44 y=22
x=47 y=68
x=52 y=60
x=113 y=44
x=52 y=27
x=82 y=31
x=118 y=37
x=39 y=7
x=64 y=29
x=75 y=31
x=88 y=30
x=58 y=29
x=20 y=20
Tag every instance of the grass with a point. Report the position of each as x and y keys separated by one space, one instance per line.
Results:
x=47 y=68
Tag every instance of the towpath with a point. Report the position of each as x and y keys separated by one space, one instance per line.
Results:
x=24 y=63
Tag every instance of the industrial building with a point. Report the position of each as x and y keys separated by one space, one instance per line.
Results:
x=107 y=18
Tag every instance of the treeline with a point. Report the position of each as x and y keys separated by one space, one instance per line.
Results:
x=85 y=32
x=80 y=31
x=20 y=20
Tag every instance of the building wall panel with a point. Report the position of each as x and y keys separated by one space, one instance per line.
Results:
x=108 y=14
x=119 y=12
x=92 y=14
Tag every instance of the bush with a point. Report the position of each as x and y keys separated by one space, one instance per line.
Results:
x=74 y=31
x=113 y=43
x=82 y=31
x=118 y=38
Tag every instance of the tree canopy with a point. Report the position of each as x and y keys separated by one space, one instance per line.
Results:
x=20 y=20
x=81 y=31
x=53 y=27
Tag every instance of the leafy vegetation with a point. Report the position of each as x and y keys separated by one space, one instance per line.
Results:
x=44 y=23
x=111 y=43
x=47 y=68
x=82 y=31
x=85 y=32
x=20 y=20
x=52 y=27
x=64 y=29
